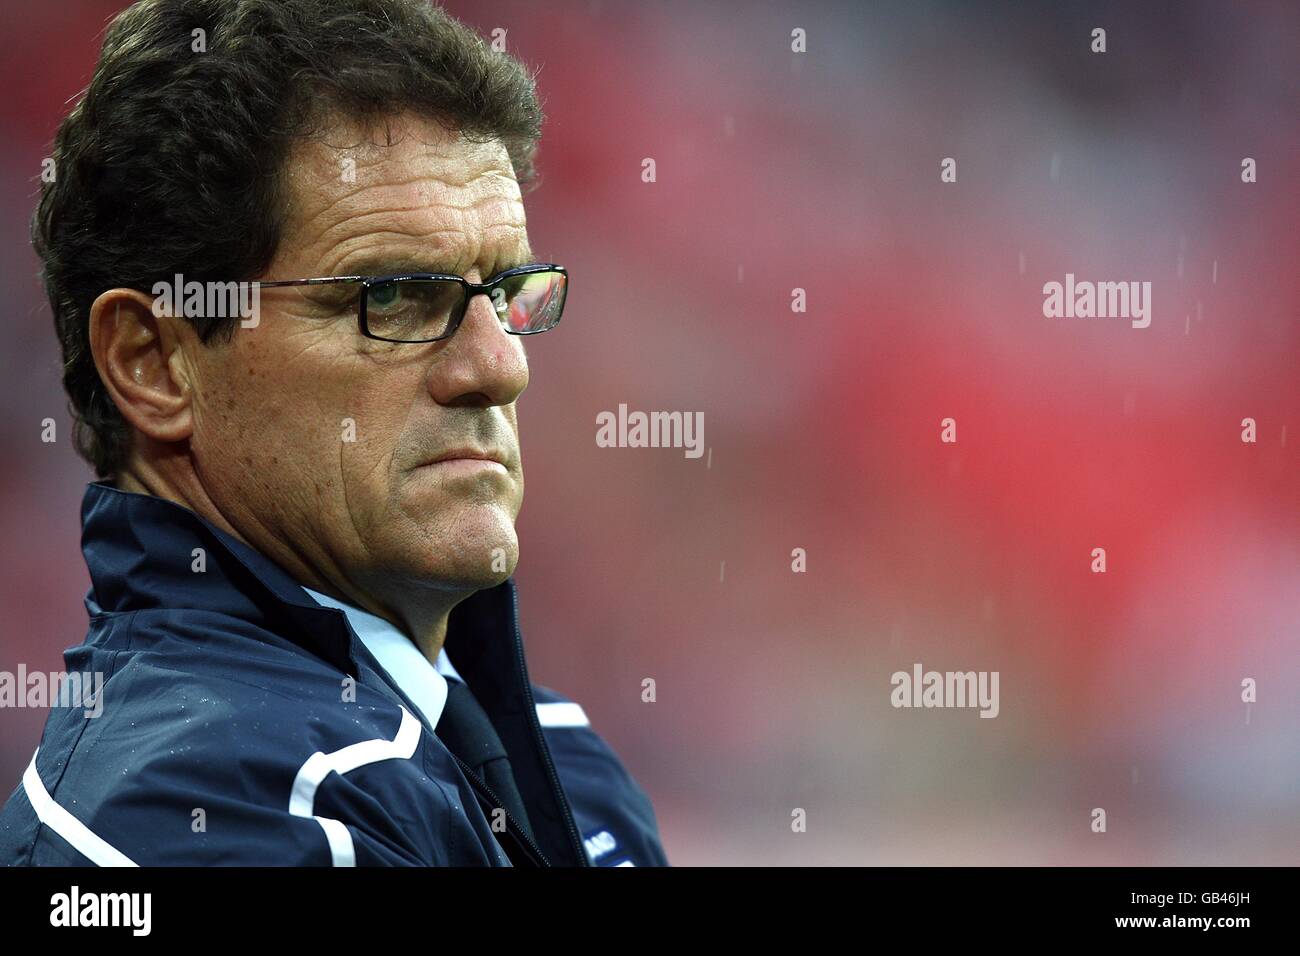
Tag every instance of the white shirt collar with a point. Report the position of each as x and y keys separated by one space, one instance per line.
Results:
x=425 y=684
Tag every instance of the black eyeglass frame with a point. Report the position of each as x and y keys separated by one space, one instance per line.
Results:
x=469 y=290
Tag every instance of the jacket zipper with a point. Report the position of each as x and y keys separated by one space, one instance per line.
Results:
x=570 y=826
x=477 y=782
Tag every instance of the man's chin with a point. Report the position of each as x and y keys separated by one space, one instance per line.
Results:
x=465 y=583
x=466 y=548
x=482 y=552
x=453 y=576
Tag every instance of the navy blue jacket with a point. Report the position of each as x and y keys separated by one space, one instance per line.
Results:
x=226 y=734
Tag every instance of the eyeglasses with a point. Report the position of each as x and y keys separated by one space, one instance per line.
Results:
x=429 y=307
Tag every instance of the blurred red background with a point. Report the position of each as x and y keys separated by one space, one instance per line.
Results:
x=820 y=171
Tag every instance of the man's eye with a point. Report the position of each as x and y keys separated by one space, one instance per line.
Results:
x=385 y=296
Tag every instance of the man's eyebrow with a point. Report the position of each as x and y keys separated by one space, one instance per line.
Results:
x=390 y=265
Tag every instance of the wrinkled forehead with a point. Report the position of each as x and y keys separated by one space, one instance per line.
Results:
x=401 y=188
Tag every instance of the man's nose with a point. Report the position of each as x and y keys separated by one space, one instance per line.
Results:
x=481 y=365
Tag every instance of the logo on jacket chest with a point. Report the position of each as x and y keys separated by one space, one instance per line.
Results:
x=600 y=848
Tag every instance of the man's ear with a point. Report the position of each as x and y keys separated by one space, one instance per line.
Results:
x=142 y=364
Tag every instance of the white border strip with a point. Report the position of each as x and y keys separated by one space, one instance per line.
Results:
x=78 y=835
x=302 y=798
x=342 y=851
x=563 y=714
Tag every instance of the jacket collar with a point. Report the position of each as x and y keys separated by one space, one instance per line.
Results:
x=424 y=683
x=141 y=553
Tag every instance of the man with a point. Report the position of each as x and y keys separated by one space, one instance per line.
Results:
x=302 y=540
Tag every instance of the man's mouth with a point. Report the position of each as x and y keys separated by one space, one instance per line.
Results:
x=468 y=454
x=467 y=462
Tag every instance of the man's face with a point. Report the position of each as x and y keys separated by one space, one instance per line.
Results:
x=312 y=436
